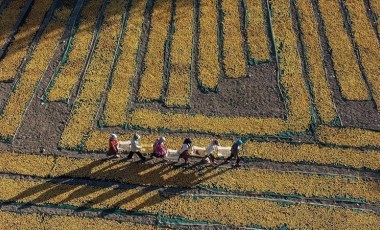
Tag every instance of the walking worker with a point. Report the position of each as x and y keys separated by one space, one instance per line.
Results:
x=159 y=149
x=113 y=149
x=185 y=151
x=135 y=148
x=235 y=148
x=210 y=158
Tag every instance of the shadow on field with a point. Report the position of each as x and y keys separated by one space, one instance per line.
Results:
x=162 y=182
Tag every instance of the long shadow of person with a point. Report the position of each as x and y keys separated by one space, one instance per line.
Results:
x=153 y=176
x=52 y=188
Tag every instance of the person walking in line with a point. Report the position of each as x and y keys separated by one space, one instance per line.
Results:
x=235 y=148
x=159 y=149
x=210 y=158
x=113 y=149
x=185 y=151
x=135 y=148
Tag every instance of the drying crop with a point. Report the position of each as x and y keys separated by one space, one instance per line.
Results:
x=256 y=30
x=295 y=80
x=34 y=70
x=208 y=62
x=347 y=69
x=152 y=79
x=324 y=102
x=70 y=71
x=369 y=48
x=119 y=94
x=234 y=59
x=96 y=78
x=179 y=89
x=348 y=136
x=9 y=18
x=19 y=47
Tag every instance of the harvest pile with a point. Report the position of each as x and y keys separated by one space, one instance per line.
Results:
x=296 y=79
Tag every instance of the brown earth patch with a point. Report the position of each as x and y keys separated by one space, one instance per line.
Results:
x=5 y=89
x=44 y=123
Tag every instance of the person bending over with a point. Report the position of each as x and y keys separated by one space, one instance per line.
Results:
x=113 y=149
x=159 y=149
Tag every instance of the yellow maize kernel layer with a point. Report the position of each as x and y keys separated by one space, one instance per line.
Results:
x=26 y=164
x=152 y=79
x=19 y=99
x=87 y=103
x=150 y=119
x=290 y=64
x=368 y=45
x=19 y=47
x=248 y=212
x=244 y=180
x=278 y=152
x=321 y=87
x=8 y=19
x=42 y=192
x=291 y=78
x=241 y=211
x=281 y=152
x=355 y=137
x=208 y=62
x=9 y=220
x=257 y=33
x=70 y=71
x=119 y=94
x=179 y=89
x=234 y=58
x=345 y=64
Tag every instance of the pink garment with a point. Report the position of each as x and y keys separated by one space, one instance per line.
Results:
x=159 y=149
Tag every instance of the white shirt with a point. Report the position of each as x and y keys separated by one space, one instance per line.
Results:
x=184 y=148
x=211 y=148
x=135 y=147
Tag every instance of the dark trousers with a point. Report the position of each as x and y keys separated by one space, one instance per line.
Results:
x=130 y=155
x=185 y=155
x=212 y=158
x=111 y=153
x=232 y=156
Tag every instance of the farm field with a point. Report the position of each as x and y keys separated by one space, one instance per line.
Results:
x=297 y=80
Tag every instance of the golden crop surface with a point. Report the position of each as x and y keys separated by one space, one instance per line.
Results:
x=173 y=68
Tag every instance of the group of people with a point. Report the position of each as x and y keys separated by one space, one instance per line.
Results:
x=160 y=151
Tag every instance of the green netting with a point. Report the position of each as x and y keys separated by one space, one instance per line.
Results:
x=32 y=47
x=49 y=15
x=74 y=17
x=23 y=13
x=276 y=196
x=76 y=208
x=94 y=42
x=250 y=59
x=117 y=54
